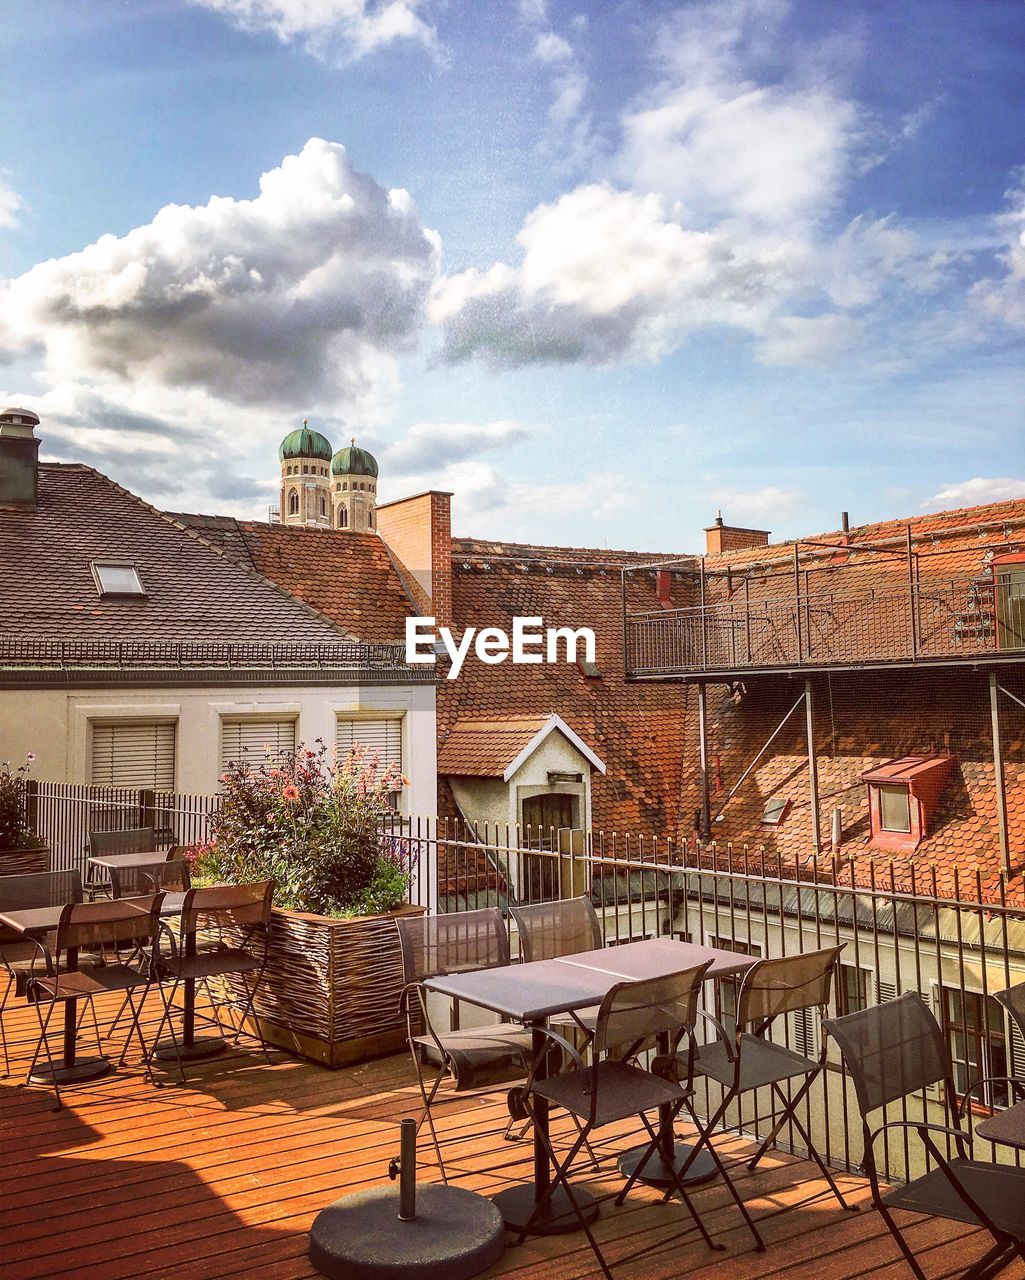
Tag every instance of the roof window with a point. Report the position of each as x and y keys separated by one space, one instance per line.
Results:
x=590 y=670
x=117 y=578
x=903 y=796
x=776 y=810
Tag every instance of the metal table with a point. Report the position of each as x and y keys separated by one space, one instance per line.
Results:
x=533 y=993
x=1005 y=1127
x=104 y=861
x=37 y=922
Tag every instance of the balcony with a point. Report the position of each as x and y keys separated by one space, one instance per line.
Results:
x=777 y=623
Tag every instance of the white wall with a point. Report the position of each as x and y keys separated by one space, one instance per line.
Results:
x=55 y=724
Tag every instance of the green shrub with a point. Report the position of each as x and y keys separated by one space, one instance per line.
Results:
x=15 y=832
x=314 y=827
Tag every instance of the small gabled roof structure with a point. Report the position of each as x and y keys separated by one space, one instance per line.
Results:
x=498 y=747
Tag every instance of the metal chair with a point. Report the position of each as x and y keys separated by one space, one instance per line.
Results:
x=892 y=1051
x=223 y=932
x=21 y=893
x=172 y=877
x=104 y=843
x=613 y=1089
x=548 y=930
x=748 y=1060
x=131 y=922
x=476 y=1059
x=1013 y=1000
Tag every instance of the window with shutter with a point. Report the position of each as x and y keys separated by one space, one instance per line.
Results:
x=383 y=736
x=133 y=753
x=254 y=742
x=804 y=1037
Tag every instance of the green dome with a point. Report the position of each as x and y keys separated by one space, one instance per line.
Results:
x=353 y=461
x=305 y=443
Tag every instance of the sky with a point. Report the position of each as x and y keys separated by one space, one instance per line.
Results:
x=598 y=268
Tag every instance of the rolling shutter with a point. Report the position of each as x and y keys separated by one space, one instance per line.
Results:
x=804 y=1037
x=132 y=753
x=382 y=736
x=255 y=741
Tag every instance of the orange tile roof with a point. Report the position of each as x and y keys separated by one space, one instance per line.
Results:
x=486 y=748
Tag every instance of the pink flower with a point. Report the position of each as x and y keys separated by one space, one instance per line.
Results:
x=30 y=756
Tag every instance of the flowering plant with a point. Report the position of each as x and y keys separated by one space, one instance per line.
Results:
x=15 y=832
x=314 y=826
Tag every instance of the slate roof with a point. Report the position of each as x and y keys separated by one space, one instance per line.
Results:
x=195 y=593
x=485 y=748
x=349 y=577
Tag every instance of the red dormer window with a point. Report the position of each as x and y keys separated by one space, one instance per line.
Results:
x=902 y=798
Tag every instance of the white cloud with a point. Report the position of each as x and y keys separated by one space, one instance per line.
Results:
x=1004 y=298
x=974 y=493
x=549 y=47
x=800 y=340
x=776 y=154
x=11 y=206
x=428 y=446
x=302 y=296
x=334 y=30
x=761 y=508
x=604 y=275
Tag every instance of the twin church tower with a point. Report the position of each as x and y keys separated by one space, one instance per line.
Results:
x=325 y=489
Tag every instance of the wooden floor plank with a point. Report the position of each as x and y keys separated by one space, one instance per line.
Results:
x=221 y=1180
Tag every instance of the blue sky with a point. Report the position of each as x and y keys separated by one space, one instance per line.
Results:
x=598 y=268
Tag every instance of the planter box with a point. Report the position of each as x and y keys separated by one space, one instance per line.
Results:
x=16 y=862
x=331 y=989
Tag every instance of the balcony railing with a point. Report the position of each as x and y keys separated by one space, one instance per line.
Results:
x=937 y=620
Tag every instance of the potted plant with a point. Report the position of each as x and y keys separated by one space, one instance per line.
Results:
x=314 y=826
x=21 y=850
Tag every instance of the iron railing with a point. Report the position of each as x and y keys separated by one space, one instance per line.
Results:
x=933 y=620
x=899 y=935
x=125 y=655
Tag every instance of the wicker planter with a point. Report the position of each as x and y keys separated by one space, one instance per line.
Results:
x=16 y=862
x=331 y=990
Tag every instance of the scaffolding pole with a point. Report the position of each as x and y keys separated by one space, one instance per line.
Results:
x=813 y=771
x=706 y=821
x=998 y=771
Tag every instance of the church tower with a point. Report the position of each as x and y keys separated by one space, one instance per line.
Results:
x=354 y=489
x=305 y=457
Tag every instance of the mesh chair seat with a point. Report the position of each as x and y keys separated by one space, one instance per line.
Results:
x=210 y=964
x=762 y=1063
x=92 y=981
x=482 y=1055
x=998 y=1189
x=622 y=1091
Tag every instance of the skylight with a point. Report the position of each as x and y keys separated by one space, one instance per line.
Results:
x=117 y=578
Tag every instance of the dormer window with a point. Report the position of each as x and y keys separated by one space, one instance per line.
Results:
x=902 y=798
x=115 y=578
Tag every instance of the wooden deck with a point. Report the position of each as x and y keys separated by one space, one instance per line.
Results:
x=223 y=1177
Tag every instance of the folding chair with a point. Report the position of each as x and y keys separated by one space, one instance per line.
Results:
x=476 y=1059
x=748 y=1060
x=103 y=843
x=612 y=1089
x=21 y=893
x=172 y=877
x=131 y=922
x=224 y=931
x=893 y=1051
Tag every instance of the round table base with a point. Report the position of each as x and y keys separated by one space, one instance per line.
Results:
x=558 y=1217
x=201 y=1047
x=84 y=1069
x=702 y=1167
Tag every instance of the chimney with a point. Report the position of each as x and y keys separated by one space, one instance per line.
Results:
x=19 y=455
x=663 y=588
x=721 y=537
x=418 y=533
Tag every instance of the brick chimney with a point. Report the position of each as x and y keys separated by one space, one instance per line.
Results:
x=721 y=537
x=418 y=533
x=19 y=456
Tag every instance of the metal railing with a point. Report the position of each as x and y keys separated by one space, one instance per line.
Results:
x=934 y=620
x=898 y=935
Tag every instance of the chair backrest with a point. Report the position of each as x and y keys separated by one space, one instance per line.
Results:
x=891 y=1050
x=108 y=923
x=453 y=943
x=128 y=882
x=1013 y=1000
x=245 y=906
x=634 y=1012
x=37 y=889
x=548 y=930
x=785 y=985
x=133 y=840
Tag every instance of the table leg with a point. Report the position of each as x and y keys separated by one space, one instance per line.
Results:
x=72 y=1067
x=190 y=1048
x=517 y=1203
x=670 y=1154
